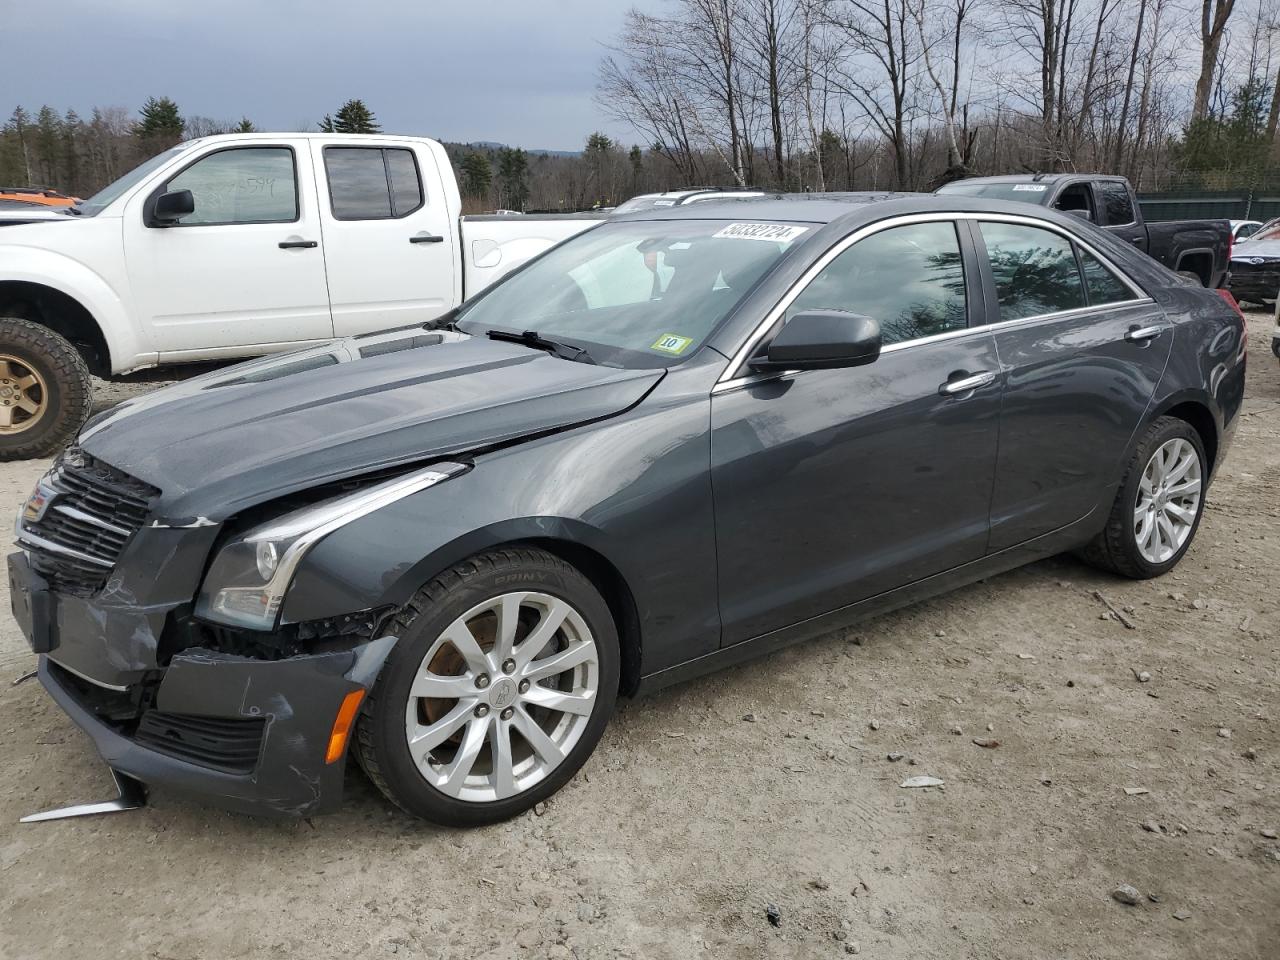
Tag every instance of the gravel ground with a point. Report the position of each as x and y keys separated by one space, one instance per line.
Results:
x=771 y=784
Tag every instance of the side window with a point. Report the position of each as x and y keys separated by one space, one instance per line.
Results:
x=372 y=183
x=243 y=185
x=1035 y=270
x=1077 y=196
x=1104 y=286
x=1117 y=203
x=910 y=279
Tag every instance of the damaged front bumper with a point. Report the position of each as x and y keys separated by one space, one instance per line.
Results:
x=244 y=734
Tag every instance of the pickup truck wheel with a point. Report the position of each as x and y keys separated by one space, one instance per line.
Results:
x=1158 y=507
x=45 y=390
x=498 y=689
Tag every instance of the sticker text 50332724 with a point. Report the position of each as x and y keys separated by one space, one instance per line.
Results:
x=772 y=232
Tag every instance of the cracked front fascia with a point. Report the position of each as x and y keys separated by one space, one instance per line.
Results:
x=299 y=697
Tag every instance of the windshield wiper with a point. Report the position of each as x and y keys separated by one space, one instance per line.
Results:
x=531 y=338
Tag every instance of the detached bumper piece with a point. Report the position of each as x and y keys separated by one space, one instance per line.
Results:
x=130 y=795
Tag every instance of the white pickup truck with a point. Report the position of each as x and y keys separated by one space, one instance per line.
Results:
x=237 y=246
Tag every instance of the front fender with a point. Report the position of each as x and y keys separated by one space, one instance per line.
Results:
x=127 y=345
x=635 y=490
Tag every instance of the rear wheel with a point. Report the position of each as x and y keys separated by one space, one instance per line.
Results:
x=499 y=688
x=1157 y=510
x=45 y=390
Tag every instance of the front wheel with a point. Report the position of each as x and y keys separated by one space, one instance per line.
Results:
x=1157 y=510
x=501 y=684
x=45 y=390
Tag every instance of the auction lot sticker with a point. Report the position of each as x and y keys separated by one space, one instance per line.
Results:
x=672 y=343
x=772 y=232
x=1029 y=188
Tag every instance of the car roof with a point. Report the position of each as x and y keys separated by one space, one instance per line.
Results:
x=851 y=208
x=1036 y=178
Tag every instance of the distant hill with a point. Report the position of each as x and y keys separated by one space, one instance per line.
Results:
x=494 y=145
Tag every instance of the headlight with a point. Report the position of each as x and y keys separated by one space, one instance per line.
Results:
x=249 y=577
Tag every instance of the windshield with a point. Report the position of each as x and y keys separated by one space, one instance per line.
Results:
x=646 y=201
x=1023 y=192
x=112 y=191
x=639 y=294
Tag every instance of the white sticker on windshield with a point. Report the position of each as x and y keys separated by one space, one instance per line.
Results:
x=1029 y=188
x=773 y=232
x=664 y=203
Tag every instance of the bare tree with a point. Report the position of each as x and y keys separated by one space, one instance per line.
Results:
x=1214 y=15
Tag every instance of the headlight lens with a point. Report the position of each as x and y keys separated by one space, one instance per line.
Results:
x=246 y=585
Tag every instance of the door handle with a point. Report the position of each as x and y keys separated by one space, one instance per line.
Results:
x=1143 y=334
x=953 y=388
x=426 y=238
x=297 y=244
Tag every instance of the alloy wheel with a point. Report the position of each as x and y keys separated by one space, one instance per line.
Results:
x=1168 y=500
x=502 y=696
x=23 y=395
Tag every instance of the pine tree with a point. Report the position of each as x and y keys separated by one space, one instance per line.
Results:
x=244 y=126
x=72 y=132
x=513 y=168
x=160 y=121
x=48 y=144
x=477 y=175
x=352 y=117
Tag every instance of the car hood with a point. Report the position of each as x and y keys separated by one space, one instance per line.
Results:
x=1269 y=249
x=243 y=435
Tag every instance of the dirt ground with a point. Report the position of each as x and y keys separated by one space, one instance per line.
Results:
x=771 y=784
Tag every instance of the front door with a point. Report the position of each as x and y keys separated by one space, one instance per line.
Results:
x=1082 y=352
x=245 y=269
x=832 y=486
x=388 y=236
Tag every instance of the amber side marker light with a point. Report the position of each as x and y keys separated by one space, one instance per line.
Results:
x=342 y=725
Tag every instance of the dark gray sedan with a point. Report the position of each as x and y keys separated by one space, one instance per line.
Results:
x=676 y=441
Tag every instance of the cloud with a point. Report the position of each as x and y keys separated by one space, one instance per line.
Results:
x=518 y=72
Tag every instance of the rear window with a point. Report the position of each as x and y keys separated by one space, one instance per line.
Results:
x=372 y=183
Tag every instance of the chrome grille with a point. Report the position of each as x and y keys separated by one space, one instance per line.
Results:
x=90 y=511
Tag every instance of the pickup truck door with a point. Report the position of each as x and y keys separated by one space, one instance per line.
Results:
x=494 y=245
x=244 y=273
x=390 y=234
x=1119 y=211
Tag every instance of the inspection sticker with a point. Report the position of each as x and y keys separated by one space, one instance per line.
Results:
x=773 y=232
x=672 y=343
x=1029 y=188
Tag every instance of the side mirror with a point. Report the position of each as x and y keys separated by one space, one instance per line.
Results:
x=172 y=207
x=820 y=340
x=1081 y=213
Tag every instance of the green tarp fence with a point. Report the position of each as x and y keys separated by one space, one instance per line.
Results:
x=1235 y=205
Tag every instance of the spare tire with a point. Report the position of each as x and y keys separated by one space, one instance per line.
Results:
x=45 y=390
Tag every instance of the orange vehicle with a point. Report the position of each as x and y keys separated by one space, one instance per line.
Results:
x=51 y=198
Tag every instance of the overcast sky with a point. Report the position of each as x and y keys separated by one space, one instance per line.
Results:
x=516 y=71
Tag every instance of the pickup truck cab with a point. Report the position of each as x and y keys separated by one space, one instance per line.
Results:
x=238 y=246
x=1197 y=249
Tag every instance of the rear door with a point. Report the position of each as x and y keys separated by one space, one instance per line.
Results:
x=389 y=234
x=1082 y=349
x=832 y=486
x=244 y=271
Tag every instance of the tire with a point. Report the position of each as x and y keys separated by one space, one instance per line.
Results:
x=440 y=785
x=41 y=370
x=1118 y=548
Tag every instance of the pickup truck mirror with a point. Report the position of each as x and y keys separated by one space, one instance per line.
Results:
x=172 y=207
x=1081 y=213
x=821 y=340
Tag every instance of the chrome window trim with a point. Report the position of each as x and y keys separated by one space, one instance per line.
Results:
x=735 y=375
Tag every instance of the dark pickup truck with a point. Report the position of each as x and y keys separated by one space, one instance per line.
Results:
x=1194 y=248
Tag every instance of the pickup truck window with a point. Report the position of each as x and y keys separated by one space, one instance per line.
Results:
x=241 y=185
x=372 y=183
x=910 y=279
x=117 y=188
x=635 y=294
x=1077 y=196
x=1034 y=270
x=1116 y=202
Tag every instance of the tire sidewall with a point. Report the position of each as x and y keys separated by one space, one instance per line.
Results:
x=412 y=791
x=1173 y=429
x=66 y=399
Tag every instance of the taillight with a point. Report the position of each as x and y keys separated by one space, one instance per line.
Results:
x=1231 y=302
